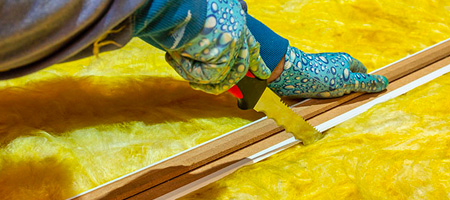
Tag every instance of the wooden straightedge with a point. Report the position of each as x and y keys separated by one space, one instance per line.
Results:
x=323 y=122
x=235 y=147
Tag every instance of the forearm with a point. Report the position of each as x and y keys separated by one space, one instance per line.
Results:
x=276 y=72
x=273 y=46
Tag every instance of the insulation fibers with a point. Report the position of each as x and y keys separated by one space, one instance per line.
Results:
x=396 y=150
x=76 y=125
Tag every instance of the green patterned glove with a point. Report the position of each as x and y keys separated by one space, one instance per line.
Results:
x=222 y=53
x=324 y=75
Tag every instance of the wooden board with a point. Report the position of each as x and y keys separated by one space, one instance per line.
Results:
x=224 y=166
x=140 y=183
x=232 y=162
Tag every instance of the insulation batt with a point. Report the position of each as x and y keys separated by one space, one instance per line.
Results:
x=76 y=125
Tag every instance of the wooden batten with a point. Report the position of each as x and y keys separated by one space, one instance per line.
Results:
x=234 y=149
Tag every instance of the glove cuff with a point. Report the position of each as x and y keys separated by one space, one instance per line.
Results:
x=169 y=25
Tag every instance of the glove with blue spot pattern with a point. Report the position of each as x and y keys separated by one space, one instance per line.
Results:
x=222 y=53
x=324 y=75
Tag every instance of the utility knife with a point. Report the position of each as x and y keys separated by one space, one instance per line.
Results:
x=253 y=93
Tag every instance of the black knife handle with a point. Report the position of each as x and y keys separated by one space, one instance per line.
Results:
x=248 y=91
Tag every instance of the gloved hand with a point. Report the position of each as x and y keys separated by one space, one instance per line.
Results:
x=222 y=53
x=324 y=75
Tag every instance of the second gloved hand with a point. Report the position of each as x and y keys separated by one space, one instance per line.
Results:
x=222 y=53
x=324 y=75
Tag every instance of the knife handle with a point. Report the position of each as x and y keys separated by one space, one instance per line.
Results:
x=248 y=91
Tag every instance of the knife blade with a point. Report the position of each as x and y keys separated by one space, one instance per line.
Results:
x=253 y=93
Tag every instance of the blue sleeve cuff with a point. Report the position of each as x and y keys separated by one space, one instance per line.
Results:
x=273 y=46
x=169 y=24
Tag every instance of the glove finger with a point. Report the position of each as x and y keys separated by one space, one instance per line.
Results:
x=331 y=94
x=197 y=71
x=360 y=82
x=257 y=65
x=354 y=64
x=237 y=72
x=174 y=60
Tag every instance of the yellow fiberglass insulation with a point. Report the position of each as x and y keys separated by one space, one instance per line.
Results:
x=76 y=125
x=397 y=150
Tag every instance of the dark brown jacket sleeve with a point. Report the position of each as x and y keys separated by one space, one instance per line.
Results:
x=35 y=34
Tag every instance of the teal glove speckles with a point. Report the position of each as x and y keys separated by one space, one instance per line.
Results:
x=222 y=53
x=324 y=75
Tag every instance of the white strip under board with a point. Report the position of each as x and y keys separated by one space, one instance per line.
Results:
x=273 y=149
x=205 y=180
x=430 y=47
x=399 y=91
x=228 y=170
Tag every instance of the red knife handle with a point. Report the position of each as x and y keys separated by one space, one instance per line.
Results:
x=248 y=91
